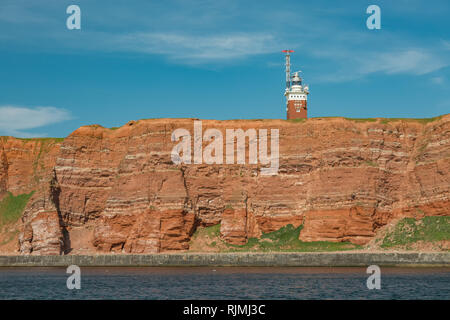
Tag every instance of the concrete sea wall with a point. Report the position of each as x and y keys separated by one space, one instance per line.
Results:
x=234 y=259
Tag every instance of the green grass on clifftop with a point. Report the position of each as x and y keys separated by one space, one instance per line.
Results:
x=420 y=120
x=50 y=140
x=410 y=230
x=380 y=120
x=362 y=119
x=11 y=207
x=286 y=239
x=296 y=120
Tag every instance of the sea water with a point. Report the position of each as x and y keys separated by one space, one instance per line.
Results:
x=224 y=283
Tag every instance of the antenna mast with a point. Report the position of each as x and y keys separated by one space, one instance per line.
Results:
x=288 y=67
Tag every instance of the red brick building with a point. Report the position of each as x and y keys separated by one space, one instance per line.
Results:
x=296 y=99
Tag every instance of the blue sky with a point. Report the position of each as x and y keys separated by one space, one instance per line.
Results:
x=216 y=60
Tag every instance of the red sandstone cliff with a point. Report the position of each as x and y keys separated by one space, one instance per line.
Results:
x=118 y=190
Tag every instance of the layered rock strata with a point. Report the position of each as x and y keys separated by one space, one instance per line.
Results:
x=342 y=179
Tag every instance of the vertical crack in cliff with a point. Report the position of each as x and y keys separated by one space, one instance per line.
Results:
x=187 y=198
x=4 y=174
x=55 y=192
x=246 y=218
x=420 y=145
x=183 y=174
x=189 y=204
x=160 y=237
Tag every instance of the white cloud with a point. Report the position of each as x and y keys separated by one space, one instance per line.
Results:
x=14 y=120
x=411 y=61
x=201 y=32
x=198 y=48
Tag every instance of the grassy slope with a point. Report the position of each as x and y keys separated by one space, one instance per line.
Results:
x=50 y=140
x=284 y=239
x=408 y=231
x=11 y=207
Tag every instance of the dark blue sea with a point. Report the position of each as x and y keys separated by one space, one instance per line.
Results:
x=225 y=283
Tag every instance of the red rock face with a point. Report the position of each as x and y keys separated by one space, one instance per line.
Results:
x=42 y=232
x=341 y=179
x=42 y=236
x=26 y=163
